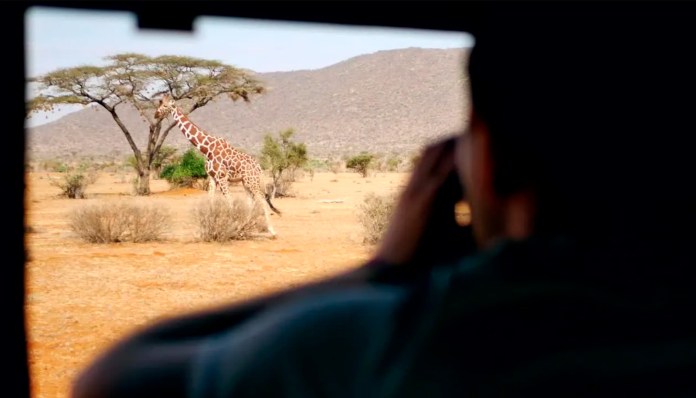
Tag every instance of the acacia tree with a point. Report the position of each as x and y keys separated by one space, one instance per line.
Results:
x=138 y=79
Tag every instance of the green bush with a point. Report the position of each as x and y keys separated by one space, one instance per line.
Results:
x=53 y=165
x=360 y=163
x=393 y=163
x=317 y=164
x=190 y=168
x=165 y=156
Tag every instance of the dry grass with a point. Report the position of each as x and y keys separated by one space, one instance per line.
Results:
x=82 y=297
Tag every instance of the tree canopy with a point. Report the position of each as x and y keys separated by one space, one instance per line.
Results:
x=138 y=79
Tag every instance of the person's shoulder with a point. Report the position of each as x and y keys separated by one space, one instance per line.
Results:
x=366 y=303
x=325 y=341
x=290 y=348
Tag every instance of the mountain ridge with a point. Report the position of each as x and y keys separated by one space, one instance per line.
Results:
x=390 y=101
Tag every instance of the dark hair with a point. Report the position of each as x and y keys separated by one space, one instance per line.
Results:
x=586 y=106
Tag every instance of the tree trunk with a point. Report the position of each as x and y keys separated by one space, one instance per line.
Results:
x=143 y=184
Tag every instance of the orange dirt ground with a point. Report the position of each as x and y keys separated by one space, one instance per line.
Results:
x=82 y=297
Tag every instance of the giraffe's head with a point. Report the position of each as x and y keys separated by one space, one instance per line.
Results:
x=166 y=106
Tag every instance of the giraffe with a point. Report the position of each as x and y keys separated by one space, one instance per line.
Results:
x=224 y=163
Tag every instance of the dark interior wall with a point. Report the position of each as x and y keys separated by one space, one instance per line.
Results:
x=14 y=349
x=180 y=14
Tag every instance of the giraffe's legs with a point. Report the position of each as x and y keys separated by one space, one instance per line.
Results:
x=259 y=198
x=252 y=198
x=212 y=178
x=256 y=197
x=224 y=187
x=211 y=187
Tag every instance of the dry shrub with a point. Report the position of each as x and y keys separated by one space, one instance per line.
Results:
x=387 y=163
x=73 y=184
x=374 y=215
x=201 y=184
x=219 y=222
x=119 y=222
x=283 y=186
x=337 y=166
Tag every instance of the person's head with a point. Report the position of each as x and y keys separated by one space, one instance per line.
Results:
x=576 y=123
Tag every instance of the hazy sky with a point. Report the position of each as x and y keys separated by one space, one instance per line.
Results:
x=59 y=38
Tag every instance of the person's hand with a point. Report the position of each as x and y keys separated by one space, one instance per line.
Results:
x=423 y=226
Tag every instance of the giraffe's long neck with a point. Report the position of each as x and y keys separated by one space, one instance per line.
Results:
x=190 y=130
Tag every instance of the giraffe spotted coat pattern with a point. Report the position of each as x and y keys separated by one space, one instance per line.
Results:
x=224 y=163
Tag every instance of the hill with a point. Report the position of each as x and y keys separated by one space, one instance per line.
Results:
x=385 y=102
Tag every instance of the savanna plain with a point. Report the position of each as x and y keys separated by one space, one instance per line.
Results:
x=81 y=297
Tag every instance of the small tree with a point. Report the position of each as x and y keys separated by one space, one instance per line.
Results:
x=393 y=163
x=360 y=163
x=74 y=182
x=190 y=168
x=282 y=157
